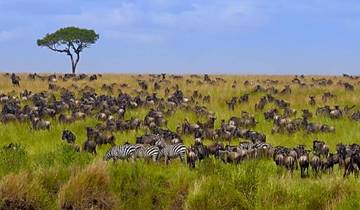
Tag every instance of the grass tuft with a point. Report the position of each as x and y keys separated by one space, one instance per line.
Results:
x=19 y=191
x=88 y=189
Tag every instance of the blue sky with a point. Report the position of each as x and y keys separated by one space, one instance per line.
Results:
x=183 y=36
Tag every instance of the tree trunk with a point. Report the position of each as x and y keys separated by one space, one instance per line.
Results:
x=74 y=63
x=73 y=69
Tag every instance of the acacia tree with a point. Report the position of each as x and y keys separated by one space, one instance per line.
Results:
x=69 y=40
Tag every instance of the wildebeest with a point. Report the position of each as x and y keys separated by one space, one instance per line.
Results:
x=68 y=136
x=40 y=124
x=90 y=146
x=315 y=164
x=304 y=164
x=15 y=80
x=320 y=148
x=191 y=157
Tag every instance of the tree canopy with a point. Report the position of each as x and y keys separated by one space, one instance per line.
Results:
x=69 y=40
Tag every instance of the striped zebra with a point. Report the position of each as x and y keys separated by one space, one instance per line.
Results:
x=171 y=151
x=122 y=152
x=147 y=152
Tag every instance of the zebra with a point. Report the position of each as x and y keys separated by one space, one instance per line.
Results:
x=147 y=152
x=120 y=152
x=170 y=151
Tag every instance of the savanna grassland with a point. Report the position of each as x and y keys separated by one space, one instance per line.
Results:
x=46 y=173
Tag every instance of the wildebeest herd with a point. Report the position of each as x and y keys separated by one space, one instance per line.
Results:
x=161 y=97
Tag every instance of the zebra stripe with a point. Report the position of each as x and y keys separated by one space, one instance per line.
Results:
x=172 y=151
x=120 y=152
x=147 y=152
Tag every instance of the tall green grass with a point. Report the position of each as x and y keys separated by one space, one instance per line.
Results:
x=45 y=173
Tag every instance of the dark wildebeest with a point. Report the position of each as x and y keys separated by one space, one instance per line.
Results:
x=90 y=146
x=303 y=162
x=68 y=136
x=315 y=164
x=15 y=80
x=40 y=124
x=191 y=157
x=290 y=163
x=327 y=164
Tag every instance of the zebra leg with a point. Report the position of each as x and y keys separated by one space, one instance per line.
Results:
x=154 y=158
x=181 y=158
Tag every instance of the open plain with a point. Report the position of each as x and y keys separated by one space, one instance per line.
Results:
x=249 y=119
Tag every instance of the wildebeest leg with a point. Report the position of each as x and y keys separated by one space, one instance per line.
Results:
x=166 y=160
x=356 y=171
x=347 y=168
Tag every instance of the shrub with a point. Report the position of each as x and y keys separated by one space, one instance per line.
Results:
x=20 y=192
x=89 y=189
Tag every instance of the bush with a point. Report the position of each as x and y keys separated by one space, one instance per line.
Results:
x=21 y=192
x=89 y=189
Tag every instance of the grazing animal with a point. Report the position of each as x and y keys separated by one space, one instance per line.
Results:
x=65 y=119
x=327 y=164
x=191 y=157
x=172 y=151
x=101 y=138
x=279 y=159
x=120 y=152
x=40 y=124
x=315 y=164
x=68 y=136
x=90 y=146
x=200 y=150
x=352 y=163
x=147 y=152
x=304 y=165
x=290 y=163
x=15 y=80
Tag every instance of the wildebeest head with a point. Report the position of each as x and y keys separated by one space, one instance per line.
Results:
x=68 y=136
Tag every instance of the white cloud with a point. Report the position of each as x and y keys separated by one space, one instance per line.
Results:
x=219 y=16
x=156 y=19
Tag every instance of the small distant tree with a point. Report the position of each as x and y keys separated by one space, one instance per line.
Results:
x=69 y=40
